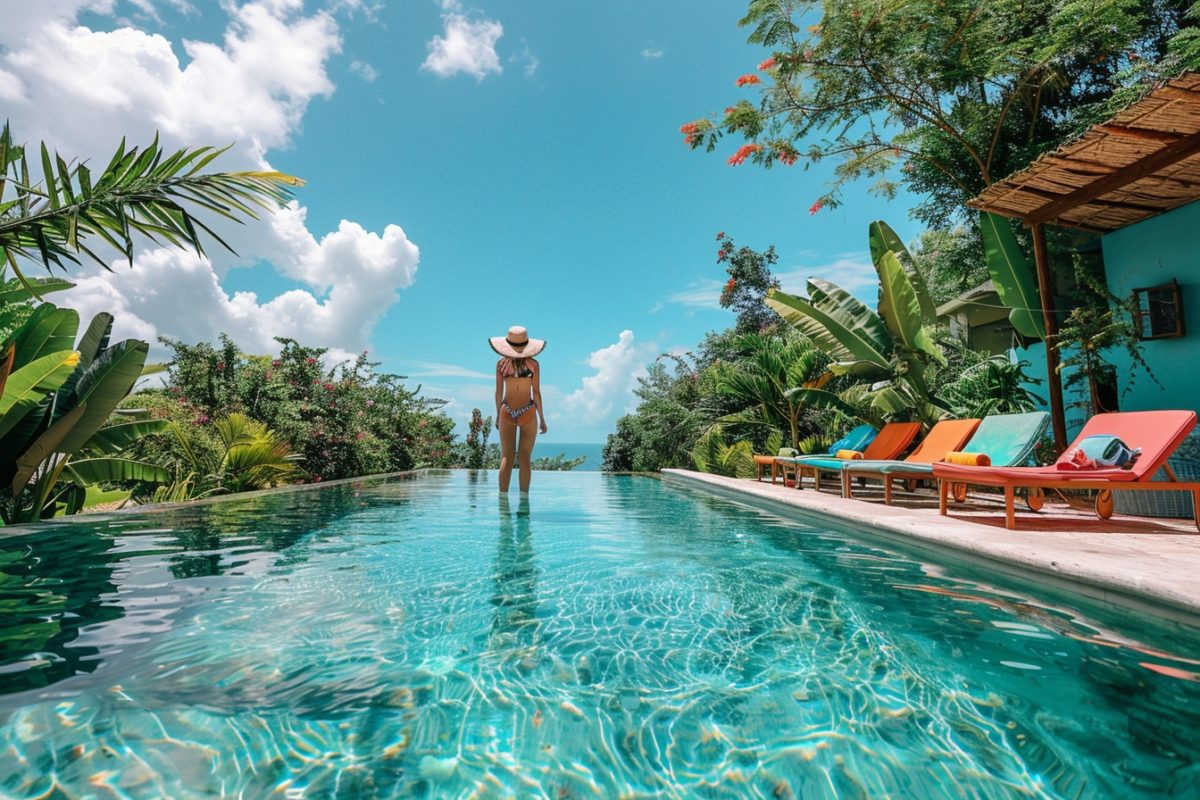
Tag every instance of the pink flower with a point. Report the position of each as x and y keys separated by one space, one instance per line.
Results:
x=768 y=63
x=787 y=157
x=317 y=479
x=721 y=254
x=360 y=435
x=329 y=387
x=310 y=361
x=276 y=363
x=720 y=236
x=743 y=153
x=749 y=79
x=370 y=403
x=815 y=207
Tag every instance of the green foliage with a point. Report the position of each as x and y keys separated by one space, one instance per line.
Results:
x=777 y=380
x=713 y=455
x=669 y=418
x=477 y=440
x=749 y=281
x=343 y=420
x=944 y=98
x=976 y=384
x=951 y=261
x=54 y=412
x=144 y=193
x=558 y=463
x=887 y=352
x=1012 y=275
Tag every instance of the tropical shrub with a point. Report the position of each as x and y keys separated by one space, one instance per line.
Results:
x=670 y=416
x=887 y=351
x=234 y=454
x=778 y=380
x=343 y=420
x=56 y=399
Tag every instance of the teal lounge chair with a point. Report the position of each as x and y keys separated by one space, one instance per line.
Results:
x=855 y=439
x=1008 y=440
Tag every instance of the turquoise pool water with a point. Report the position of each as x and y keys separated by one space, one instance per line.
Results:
x=611 y=636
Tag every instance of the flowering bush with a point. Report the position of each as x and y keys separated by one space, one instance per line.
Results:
x=344 y=420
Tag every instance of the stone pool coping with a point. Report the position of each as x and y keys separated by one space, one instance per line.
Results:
x=1122 y=563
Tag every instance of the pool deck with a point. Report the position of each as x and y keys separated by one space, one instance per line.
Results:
x=1147 y=565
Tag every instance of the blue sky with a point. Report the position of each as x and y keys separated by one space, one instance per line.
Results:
x=535 y=161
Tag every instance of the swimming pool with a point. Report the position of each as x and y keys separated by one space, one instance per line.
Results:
x=609 y=636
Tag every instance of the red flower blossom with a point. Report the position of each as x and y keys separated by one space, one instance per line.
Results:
x=815 y=207
x=729 y=110
x=220 y=365
x=787 y=157
x=749 y=79
x=317 y=479
x=310 y=361
x=729 y=287
x=276 y=363
x=768 y=63
x=721 y=254
x=720 y=236
x=743 y=153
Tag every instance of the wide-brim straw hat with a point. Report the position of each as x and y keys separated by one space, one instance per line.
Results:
x=517 y=344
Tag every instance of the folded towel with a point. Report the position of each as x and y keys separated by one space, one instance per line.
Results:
x=848 y=455
x=970 y=459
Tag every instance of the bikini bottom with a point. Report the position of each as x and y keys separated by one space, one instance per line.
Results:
x=519 y=415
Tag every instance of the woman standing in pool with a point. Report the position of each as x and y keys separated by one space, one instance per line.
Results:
x=518 y=401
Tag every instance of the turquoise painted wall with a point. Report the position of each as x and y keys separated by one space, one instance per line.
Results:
x=1035 y=355
x=1147 y=254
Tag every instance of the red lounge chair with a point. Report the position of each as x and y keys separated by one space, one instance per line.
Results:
x=1157 y=433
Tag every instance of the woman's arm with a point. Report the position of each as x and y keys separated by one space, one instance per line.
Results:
x=537 y=393
x=499 y=393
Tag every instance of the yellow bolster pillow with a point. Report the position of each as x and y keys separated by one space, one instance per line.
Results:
x=848 y=455
x=970 y=459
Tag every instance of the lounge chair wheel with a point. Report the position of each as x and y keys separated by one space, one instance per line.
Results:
x=1036 y=499
x=1104 y=504
x=960 y=492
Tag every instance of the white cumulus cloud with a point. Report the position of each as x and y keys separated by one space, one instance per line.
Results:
x=610 y=388
x=364 y=70
x=466 y=45
x=251 y=88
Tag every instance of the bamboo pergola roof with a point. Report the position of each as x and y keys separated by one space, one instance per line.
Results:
x=1143 y=161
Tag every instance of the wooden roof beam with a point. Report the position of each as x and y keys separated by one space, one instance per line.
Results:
x=1148 y=165
x=1141 y=134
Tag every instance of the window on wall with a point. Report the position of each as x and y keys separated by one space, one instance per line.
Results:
x=1158 y=311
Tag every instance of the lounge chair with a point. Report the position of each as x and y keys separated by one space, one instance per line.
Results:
x=890 y=442
x=857 y=438
x=1157 y=433
x=773 y=462
x=944 y=437
x=1008 y=440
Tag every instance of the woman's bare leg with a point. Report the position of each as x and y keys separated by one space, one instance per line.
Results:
x=528 y=436
x=508 y=449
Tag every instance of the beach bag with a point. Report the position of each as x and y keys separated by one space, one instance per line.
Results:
x=1099 y=452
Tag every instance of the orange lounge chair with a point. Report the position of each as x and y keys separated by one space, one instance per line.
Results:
x=1157 y=433
x=944 y=437
x=890 y=442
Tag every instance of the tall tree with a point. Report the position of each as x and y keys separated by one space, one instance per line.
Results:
x=955 y=94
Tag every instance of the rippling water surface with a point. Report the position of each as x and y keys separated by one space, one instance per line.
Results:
x=610 y=636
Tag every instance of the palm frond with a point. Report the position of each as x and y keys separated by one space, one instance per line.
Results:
x=142 y=192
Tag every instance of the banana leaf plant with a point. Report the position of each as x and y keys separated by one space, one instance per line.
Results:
x=1012 y=275
x=57 y=398
x=887 y=350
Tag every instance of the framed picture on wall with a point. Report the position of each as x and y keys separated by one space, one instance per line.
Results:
x=1158 y=311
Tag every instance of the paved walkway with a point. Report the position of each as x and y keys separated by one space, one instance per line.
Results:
x=1148 y=565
